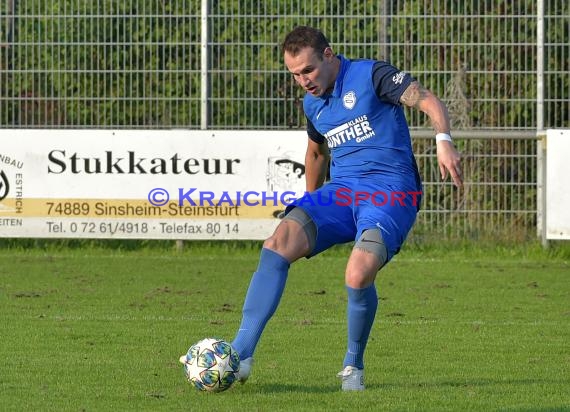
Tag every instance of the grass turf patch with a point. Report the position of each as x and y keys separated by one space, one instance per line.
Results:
x=97 y=329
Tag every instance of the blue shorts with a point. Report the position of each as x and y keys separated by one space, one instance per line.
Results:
x=341 y=211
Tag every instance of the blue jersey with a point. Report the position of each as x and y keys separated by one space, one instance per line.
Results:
x=364 y=124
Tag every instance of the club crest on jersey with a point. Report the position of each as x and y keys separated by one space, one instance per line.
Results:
x=349 y=100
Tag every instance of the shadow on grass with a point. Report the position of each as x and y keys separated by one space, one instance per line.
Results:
x=538 y=409
x=472 y=383
x=291 y=388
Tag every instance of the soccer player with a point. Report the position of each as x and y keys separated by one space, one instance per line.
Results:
x=354 y=117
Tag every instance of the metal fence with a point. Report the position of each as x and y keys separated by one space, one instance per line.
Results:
x=502 y=68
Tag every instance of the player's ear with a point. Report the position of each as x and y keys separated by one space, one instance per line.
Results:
x=328 y=53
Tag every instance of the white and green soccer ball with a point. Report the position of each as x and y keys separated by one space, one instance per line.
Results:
x=211 y=365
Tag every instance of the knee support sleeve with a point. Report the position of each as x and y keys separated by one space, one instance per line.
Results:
x=371 y=241
x=300 y=216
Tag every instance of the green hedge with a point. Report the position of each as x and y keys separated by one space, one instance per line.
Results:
x=137 y=64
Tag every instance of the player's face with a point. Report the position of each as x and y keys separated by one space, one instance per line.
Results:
x=315 y=75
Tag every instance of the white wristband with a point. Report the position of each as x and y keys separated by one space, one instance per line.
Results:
x=442 y=137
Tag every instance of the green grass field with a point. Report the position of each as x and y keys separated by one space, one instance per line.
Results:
x=96 y=329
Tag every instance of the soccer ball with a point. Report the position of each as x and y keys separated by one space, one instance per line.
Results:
x=211 y=365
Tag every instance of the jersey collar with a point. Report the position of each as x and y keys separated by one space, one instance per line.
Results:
x=344 y=64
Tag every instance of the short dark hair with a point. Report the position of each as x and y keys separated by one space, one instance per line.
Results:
x=302 y=37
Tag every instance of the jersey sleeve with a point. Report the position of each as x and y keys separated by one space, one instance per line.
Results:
x=390 y=82
x=313 y=133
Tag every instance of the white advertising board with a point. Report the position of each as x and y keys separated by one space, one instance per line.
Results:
x=557 y=189
x=159 y=184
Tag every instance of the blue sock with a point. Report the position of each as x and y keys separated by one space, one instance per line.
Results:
x=362 y=305
x=261 y=300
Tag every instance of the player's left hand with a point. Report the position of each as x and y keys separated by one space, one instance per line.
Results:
x=449 y=160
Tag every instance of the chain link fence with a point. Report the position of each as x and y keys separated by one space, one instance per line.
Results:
x=195 y=64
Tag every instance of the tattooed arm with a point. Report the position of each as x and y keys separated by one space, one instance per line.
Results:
x=447 y=156
x=421 y=98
